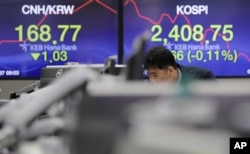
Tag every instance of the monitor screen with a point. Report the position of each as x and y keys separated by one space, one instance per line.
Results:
x=209 y=34
x=35 y=34
x=50 y=73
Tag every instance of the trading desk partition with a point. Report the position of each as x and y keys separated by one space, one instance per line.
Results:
x=138 y=117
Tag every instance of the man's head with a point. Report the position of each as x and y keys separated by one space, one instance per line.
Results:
x=160 y=65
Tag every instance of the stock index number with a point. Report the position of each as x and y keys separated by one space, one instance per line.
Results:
x=196 y=32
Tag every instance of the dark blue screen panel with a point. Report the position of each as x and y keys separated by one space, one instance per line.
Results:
x=209 y=34
x=34 y=34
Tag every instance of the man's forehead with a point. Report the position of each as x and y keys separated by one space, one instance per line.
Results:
x=153 y=70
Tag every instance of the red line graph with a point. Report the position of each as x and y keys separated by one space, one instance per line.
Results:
x=83 y=5
x=241 y=54
x=139 y=14
x=173 y=20
x=106 y=6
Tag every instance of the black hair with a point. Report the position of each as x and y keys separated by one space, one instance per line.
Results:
x=159 y=57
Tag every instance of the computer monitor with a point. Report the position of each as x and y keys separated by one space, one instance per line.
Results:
x=50 y=73
x=136 y=60
x=25 y=90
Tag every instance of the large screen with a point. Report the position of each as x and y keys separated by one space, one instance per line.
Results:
x=37 y=33
x=205 y=33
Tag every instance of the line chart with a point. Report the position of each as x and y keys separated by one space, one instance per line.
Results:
x=172 y=20
x=140 y=15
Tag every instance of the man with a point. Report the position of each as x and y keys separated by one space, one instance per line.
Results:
x=162 y=67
